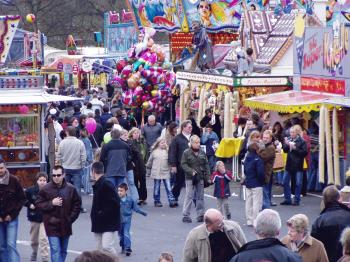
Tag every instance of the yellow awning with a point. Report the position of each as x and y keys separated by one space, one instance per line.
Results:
x=289 y=101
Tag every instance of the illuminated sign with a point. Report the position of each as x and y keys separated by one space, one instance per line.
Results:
x=331 y=86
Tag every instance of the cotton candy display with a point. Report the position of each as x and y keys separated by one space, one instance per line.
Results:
x=145 y=77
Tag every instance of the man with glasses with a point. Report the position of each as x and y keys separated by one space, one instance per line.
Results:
x=60 y=204
x=216 y=240
x=11 y=202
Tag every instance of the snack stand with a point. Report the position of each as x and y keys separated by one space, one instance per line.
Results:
x=23 y=107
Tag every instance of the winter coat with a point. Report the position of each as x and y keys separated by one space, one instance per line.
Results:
x=115 y=156
x=176 y=149
x=311 y=250
x=158 y=165
x=254 y=171
x=151 y=133
x=208 y=140
x=216 y=127
x=328 y=227
x=104 y=118
x=11 y=197
x=267 y=249
x=97 y=137
x=71 y=153
x=127 y=206
x=268 y=155
x=191 y=162
x=221 y=184
x=105 y=210
x=295 y=157
x=58 y=220
x=138 y=153
x=33 y=215
x=197 y=245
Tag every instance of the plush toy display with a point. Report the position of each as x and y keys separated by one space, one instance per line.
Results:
x=146 y=77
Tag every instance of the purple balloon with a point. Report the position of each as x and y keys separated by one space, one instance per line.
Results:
x=90 y=125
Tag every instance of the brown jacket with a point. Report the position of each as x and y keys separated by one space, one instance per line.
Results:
x=11 y=197
x=58 y=220
x=268 y=155
x=311 y=251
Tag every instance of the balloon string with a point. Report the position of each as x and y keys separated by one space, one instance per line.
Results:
x=94 y=140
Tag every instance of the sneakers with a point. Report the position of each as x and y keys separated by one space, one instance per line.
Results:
x=83 y=210
x=186 y=220
x=200 y=219
x=158 y=204
x=172 y=205
x=286 y=203
x=128 y=252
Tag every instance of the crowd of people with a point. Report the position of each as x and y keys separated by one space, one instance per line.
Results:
x=112 y=165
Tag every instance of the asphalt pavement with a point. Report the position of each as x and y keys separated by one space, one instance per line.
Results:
x=162 y=230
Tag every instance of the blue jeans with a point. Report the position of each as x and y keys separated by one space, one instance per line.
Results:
x=8 y=238
x=74 y=176
x=131 y=183
x=279 y=177
x=58 y=248
x=312 y=176
x=86 y=179
x=116 y=180
x=267 y=195
x=298 y=185
x=156 y=190
x=212 y=163
x=124 y=235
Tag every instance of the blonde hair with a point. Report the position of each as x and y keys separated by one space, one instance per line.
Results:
x=156 y=144
x=133 y=130
x=297 y=129
x=299 y=222
x=123 y=132
x=268 y=132
x=217 y=164
x=345 y=240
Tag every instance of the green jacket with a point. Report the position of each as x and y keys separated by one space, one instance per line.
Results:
x=191 y=162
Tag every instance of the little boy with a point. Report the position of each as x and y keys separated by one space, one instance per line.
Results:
x=221 y=179
x=210 y=139
x=37 y=231
x=127 y=205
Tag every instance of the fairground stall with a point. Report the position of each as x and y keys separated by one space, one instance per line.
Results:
x=23 y=107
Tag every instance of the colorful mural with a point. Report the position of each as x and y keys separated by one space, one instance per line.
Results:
x=178 y=15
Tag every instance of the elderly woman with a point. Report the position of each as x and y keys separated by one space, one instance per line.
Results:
x=196 y=168
x=300 y=241
x=345 y=241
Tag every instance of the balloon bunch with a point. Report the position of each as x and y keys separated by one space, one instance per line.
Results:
x=145 y=77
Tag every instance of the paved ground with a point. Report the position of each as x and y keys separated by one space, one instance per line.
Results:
x=162 y=230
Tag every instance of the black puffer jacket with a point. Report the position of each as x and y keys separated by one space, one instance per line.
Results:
x=34 y=215
x=295 y=157
x=328 y=227
x=105 y=211
x=268 y=249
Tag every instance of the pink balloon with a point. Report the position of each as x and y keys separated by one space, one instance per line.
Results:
x=23 y=109
x=90 y=125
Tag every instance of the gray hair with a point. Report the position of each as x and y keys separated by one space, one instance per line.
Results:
x=150 y=117
x=115 y=133
x=194 y=138
x=300 y=223
x=267 y=224
x=184 y=124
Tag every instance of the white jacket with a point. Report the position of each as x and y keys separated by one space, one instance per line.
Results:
x=158 y=165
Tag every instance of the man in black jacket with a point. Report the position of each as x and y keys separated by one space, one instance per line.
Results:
x=11 y=202
x=267 y=247
x=329 y=225
x=176 y=149
x=296 y=150
x=105 y=211
x=115 y=156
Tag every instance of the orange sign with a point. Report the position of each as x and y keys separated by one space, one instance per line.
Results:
x=323 y=85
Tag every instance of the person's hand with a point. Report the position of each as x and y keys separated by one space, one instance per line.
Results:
x=173 y=169
x=286 y=140
x=32 y=206
x=7 y=218
x=57 y=201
